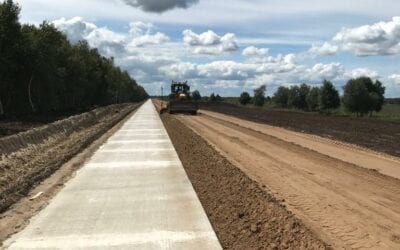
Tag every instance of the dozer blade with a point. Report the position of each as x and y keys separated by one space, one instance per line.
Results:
x=183 y=107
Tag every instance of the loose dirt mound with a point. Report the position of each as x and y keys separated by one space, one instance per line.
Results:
x=30 y=157
x=374 y=134
x=243 y=214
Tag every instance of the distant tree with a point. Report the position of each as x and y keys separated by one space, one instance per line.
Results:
x=378 y=96
x=196 y=95
x=297 y=97
x=259 y=96
x=303 y=93
x=328 y=97
x=218 y=98
x=244 y=98
x=312 y=99
x=294 y=97
x=281 y=97
x=356 y=97
x=213 y=98
x=363 y=96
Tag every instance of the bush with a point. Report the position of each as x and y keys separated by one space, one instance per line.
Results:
x=259 y=96
x=244 y=98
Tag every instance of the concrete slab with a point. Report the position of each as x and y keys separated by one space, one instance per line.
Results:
x=132 y=194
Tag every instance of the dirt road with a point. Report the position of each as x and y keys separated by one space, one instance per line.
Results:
x=329 y=185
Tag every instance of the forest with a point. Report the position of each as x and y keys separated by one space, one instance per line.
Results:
x=42 y=72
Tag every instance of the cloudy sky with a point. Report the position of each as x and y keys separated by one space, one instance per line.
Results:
x=232 y=46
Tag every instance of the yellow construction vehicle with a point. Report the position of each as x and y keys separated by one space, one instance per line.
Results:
x=180 y=99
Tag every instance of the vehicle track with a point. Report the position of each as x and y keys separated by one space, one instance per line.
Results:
x=349 y=205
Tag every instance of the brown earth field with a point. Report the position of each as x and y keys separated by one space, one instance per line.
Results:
x=347 y=195
x=243 y=214
x=378 y=135
x=28 y=158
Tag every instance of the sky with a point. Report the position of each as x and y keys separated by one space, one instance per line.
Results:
x=228 y=47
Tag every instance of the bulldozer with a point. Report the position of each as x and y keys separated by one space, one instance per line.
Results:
x=180 y=100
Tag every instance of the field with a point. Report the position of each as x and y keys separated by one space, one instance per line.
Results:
x=375 y=134
x=389 y=112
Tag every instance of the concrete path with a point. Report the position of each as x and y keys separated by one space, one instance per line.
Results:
x=132 y=194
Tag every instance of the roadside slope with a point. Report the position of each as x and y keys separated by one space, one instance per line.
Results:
x=30 y=157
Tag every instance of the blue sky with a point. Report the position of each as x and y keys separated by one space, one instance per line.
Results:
x=232 y=46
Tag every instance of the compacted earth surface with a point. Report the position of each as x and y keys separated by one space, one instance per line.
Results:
x=348 y=195
x=244 y=214
x=378 y=135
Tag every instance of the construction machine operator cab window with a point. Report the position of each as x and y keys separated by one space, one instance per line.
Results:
x=180 y=88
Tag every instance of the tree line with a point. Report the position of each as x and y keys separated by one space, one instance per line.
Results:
x=361 y=96
x=41 y=71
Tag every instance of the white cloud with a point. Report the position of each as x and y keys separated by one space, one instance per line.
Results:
x=252 y=51
x=150 y=58
x=320 y=72
x=359 y=72
x=210 y=43
x=147 y=39
x=382 y=38
x=75 y=29
x=324 y=49
x=107 y=41
x=140 y=28
x=395 y=79
x=259 y=80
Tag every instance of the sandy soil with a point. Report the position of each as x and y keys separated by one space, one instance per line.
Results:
x=374 y=134
x=349 y=206
x=244 y=214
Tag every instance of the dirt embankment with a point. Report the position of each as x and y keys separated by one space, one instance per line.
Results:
x=11 y=125
x=374 y=134
x=30 y=157
x=243 y=214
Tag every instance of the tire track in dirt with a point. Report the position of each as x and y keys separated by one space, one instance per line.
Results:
x=350 y=206
x=244 y=215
